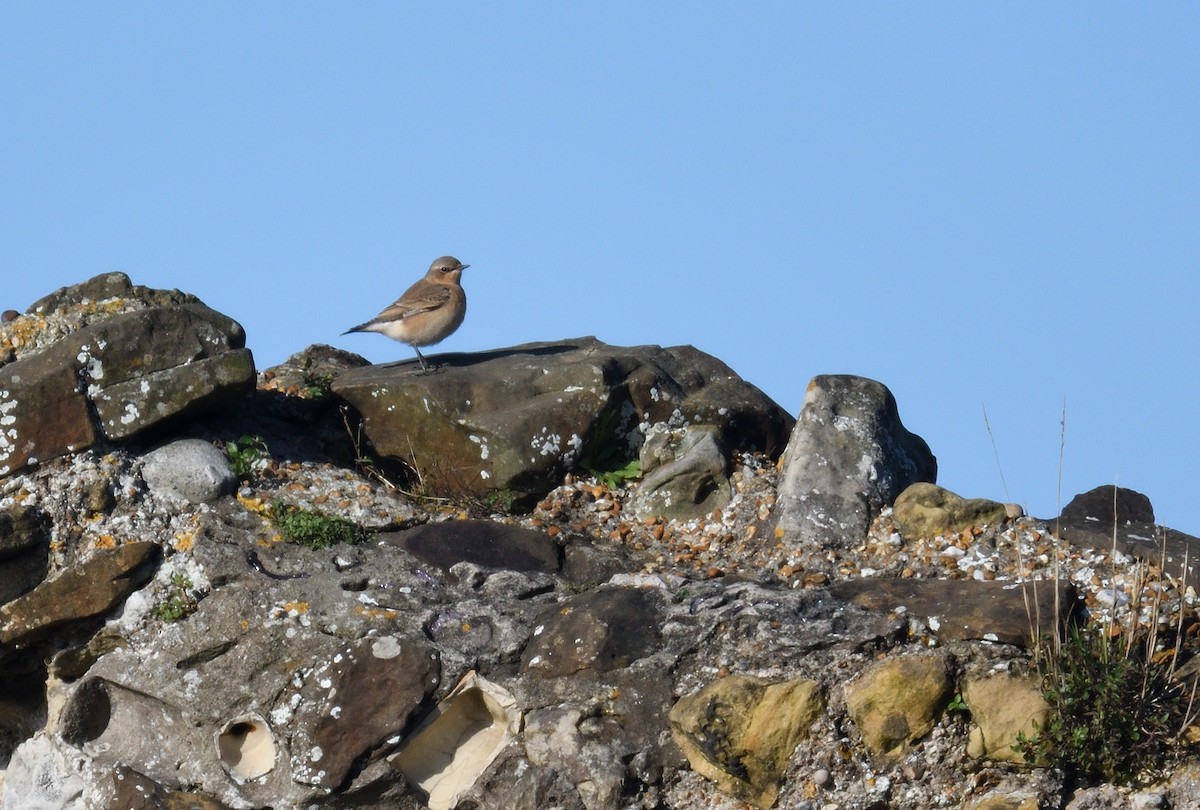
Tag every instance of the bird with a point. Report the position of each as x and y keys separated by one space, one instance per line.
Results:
x=428 y=312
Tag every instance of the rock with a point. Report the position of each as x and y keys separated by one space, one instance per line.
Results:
x=897 y=700
x=602 y=630
x=683 y=474
x=849 y=456
x=1087 y=522
x=1108 y=504
x=92 y=588
x=1002 y=707
x=965 y=609
x=190 y=469
x=311 y=372
x=118 y=376
x=24 y=552
x=925 y=510
x=355 y=700
x=516 y=420
x=481 y=542
x=134 y=791
x=1006 y=798
x=741 y=732
x=106 y=287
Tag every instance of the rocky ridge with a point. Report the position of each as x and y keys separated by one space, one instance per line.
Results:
x=763 y=611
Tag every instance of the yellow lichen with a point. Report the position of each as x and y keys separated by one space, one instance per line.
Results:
x=184 y=541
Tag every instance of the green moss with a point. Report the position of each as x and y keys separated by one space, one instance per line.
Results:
x=314 y=529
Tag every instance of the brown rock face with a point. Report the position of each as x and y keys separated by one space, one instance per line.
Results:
x=602 y=630
x=92 y=588
x=966 y=609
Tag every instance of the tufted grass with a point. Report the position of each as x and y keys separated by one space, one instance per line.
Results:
x=1120 y=706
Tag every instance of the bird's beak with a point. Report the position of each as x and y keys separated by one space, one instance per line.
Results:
x=463 y=266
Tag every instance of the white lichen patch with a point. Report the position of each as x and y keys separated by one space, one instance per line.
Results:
x=484 y=452
x=131 y=414
x=546 y=443
x=386 y=648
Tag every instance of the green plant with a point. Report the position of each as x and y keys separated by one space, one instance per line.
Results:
x=1115 y=711
x=605 y=457
x=244 y=453
x=317 y=385
x=178 y=602
x=957 y=706
x=500 y=500
x=313 y=529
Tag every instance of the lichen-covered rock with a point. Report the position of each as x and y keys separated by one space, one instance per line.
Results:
x=513 y=421
x=926 y=510
x=741 y=732
x=130 y=365
x=849 y=456
x=896 y=702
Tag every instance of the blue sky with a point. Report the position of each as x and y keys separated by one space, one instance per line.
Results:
x=983 y=206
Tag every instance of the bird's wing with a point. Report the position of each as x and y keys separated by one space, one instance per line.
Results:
x=416 y=301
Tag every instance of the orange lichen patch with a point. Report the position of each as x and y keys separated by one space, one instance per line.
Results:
x=105 y=541
x=295 y=608
x=376 y=613
x=21 y=330
x=253 y=504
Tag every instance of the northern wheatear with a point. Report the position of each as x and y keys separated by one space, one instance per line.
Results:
x=428 y=312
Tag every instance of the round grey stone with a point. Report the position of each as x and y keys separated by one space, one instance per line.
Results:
x=191 y=469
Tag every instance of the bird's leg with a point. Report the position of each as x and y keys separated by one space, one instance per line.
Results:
x=425 y=367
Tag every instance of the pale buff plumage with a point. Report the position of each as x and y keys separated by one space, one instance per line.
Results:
x=428 y=312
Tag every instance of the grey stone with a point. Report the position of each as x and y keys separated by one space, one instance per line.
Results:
x=849 y=457
x=191 y=469
x=42 y=775
x=683 y=474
